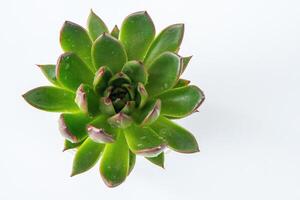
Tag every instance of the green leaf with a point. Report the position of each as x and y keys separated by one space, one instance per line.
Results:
x=87 y=156
x=158 y=160
x=132 y=159
x=95 y=26
x=106 y=106
x=74 y=38
x=143 y=141
x=149 y=113
x=118 y=79
x=100 y=131
x=71 y=71
x=177 y=138
x=51 y=99
x=163 y=73
x=115 y=32
x=168 y=40
x=185 y=62
x=137 y=33
x=142 y=95
x=108 y=51
x=185 y=99
x=120 y=120
x=136 y=71
x=87 y=100
x=182 y=83
x=49 y=72
x=114 y=164
x=101 y=79
x=73 y=126
x=69 y=145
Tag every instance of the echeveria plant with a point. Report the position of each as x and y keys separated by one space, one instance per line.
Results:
x=117 y=92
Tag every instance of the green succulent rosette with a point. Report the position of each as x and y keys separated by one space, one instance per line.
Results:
x=117 y=92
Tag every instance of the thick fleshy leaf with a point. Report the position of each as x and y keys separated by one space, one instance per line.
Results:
x=74 y=38
x=185 y=99
x=142 y=95
x=101 y=79
x=137 y=33
x=149 y=113
x=95 y=26
x=87 y=156
x=168 y=40
x=51 y=99
x=158 y=160
x=185 y=62
x=73 y=126
x=100 y=131
x=132 y=159
x=136 y=71
x=163 y=73
x=49 y=72
x=69 y=145
x=71 y=71
x=106 y=106
x=182 y=83
x=114 y=165
x=115 y=32
x=120 y=120
x=128 y=108
x=177 y=138
x=87 y=100
x=143 y=141
x=118 y=79
x=108 y=51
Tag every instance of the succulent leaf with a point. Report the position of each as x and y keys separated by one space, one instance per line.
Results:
x=142 y=95
x=158 y=160
x=68 y=66
x=69 y=145
x=115 y=32
x=114 y=165
x=168 y=40
x=118 y=79
x=51 y=99
x=106 y=106
x=86 y=156
x=108 y=51
x=49 y=72
x=87 y=100
x=185 y=99
x=73 y=126
x=101 y=79
x=149 y=113
x=74 y=38
x=182 y=83
x=143 y=141
x=177 y=138
x=167 y=64
x=132 y=159
x=136 y=71
x=95 y=26
x=100 y=131
x=185 y=62
x=120 y=120
x=137 y=33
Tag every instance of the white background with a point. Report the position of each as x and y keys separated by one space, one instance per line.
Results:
x=246 y=59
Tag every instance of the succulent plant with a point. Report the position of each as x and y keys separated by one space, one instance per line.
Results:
x=118 y=92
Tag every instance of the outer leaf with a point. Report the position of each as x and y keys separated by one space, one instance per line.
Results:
x=73 y=126
x=182 y=83
x=69 y=145
x=136 y=71
x=87 y=100
x=168 y=40
x=115 y=32
x=108 y=51
x=87 y=156
x=137 y=33
x=158 y=160
x=177 y=138
x=74 y=38
x=163 y=73
x=49 y=72
x=52 y=99
x=143 y=141
x=71 y=71
x=95 y=26
x=185 y=62
x=132 y=159
x=185 y=99
x=114 y=164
